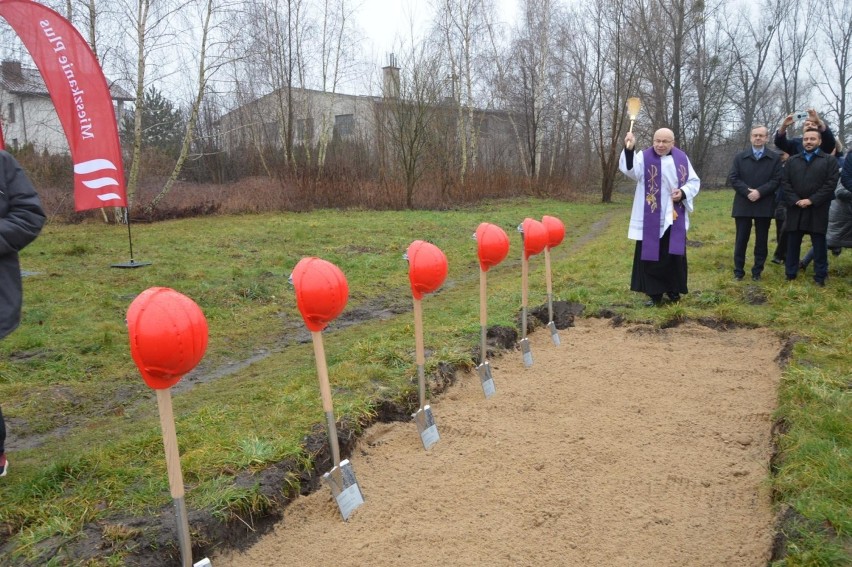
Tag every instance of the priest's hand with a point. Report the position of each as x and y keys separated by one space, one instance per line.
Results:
x=629 y=141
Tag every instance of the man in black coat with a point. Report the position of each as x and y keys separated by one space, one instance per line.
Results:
x=755 y=176
x=21 y=219
x=808 y=182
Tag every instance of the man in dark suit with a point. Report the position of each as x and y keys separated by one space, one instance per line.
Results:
x=755 y=176
x=808 y=182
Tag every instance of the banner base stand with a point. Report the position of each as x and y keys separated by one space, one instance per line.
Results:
x=131 y=264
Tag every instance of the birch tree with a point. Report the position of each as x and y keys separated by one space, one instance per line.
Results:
x=461 y=23
x=530 y=84
x=209 y=13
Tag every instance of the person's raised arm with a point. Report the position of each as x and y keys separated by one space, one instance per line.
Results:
x=629 y=144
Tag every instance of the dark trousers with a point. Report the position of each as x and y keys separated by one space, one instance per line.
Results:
x=667 y=275
x=794 y=250
x=780 y=237
x=761 y=244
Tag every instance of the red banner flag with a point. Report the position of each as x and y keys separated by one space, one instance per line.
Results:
x=81 y=97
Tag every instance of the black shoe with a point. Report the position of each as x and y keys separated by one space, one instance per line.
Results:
x=738 y=278
x=674 y=297
x=790 y=278
x=803 y=267
x=836 y=251
x=777 y=261
x=819 y=283
x=654 y=301
x=755 y=277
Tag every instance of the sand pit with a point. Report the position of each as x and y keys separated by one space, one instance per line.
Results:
x=622 y=446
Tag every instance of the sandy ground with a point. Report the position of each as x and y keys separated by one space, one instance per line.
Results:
x=622 y=446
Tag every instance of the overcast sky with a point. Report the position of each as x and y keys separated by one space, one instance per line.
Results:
x=385 y=21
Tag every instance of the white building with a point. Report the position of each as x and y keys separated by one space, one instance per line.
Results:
x=27 y=112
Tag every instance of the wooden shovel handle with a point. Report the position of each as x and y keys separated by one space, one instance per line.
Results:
x=483 y=308
x=322 y=371
x=547 y=271
x=418 y=332
x=167 y=423
x=525 y=269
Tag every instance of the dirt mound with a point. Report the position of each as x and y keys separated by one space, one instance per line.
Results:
x=625 y=445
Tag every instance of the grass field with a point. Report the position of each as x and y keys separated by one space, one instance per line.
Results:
x=89 y=451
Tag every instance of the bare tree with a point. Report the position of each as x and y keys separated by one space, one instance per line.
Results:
x=663 y=31
x=751 y=44
x=531 y=80
x=336 y=52
x=709 y=71
x=797 y=31
x=461 y=24
x=208 y=11
x=605 y=73
x=835 y=62
x=151 y=38
x=406 y=116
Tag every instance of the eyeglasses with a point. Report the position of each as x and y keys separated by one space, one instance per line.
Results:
x=663 y=141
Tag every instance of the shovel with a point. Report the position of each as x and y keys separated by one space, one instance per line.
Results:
x=168 y=338
x=551 y=326
x=167 y=423
x=525 y=342
x=484 y=369
x=423 y=417
x=341 y=478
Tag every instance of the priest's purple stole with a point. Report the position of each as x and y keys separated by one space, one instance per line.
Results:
x=651 y=219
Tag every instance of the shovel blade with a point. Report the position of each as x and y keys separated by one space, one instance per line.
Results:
x=554 y=334
x=485 y=378
x=426 y=426
x=525 y=350
x=344 y=488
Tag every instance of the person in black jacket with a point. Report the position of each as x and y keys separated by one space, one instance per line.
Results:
x=808 y=182
x=21 y=219
x=793 y=146
x=755 y=176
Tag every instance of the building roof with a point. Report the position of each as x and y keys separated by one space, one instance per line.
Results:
x=18 y=79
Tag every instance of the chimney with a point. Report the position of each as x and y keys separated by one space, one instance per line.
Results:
x=11 y=69
x=391 y=78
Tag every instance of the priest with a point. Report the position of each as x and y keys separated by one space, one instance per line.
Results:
x=666 y=185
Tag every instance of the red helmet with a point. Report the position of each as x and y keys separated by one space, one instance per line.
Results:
x=492 y=243
x=321 y=291
x=427 y=268
x=555 y=230
x=168 y=335
x=535 y=237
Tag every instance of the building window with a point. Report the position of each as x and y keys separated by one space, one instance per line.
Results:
x=270 y=133
x=11 y=113
x=305 y=130
x=344 y=126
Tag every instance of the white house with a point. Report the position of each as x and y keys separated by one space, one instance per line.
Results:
x=27 y=112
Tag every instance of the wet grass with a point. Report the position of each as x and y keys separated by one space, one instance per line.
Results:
x=86 y=426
